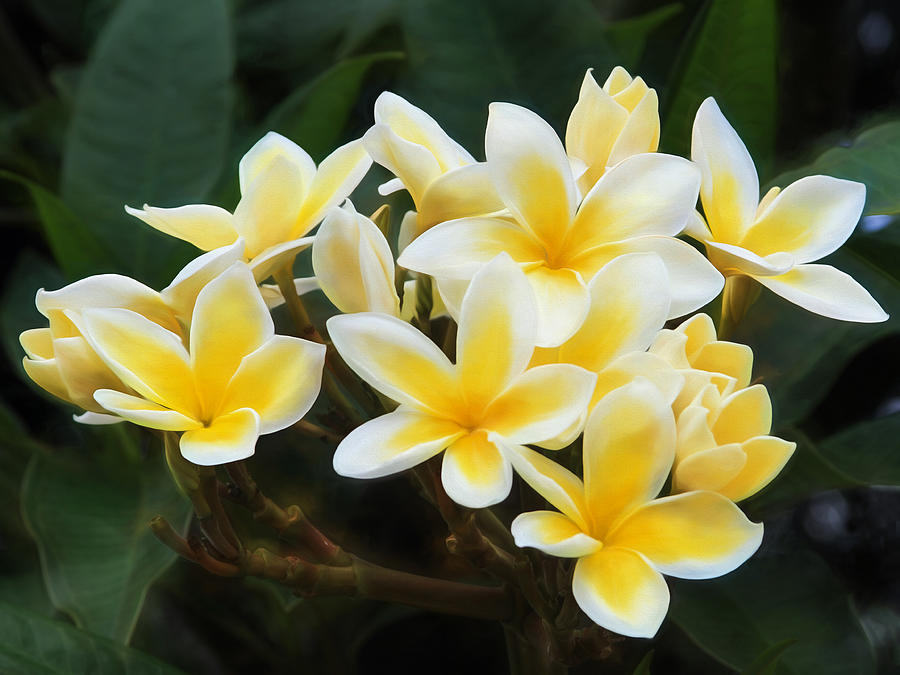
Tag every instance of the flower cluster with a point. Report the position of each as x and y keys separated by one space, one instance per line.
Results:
x=552 y=268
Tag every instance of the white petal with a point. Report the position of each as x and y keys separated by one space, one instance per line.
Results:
x=553 y=533
x=206 y=227
x=732 y=259
x=181 y=294
x=271 y=146
x=475 y=473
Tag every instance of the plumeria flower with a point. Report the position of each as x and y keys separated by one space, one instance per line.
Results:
x=694 y=350
x=624 y=536
x=724 y=443
x=773 y=240
x=231 y=380
x=489 y=391
x=637 y=206
x=443 y=179
x=283 y=197
x=62 y=362
x=629 y=305
x=609 y=124
x=353 y=263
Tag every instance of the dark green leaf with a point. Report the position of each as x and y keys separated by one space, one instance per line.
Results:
x=867 y=451
x=643 y=668
x=873 y=158
x=33 y=645
x=765 y=663
x=733 y=59
x=767 y=601
x=150 y=124
x=629 y=36
x=89 y=514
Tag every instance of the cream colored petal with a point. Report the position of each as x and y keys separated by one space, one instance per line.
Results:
x=266 y=150
x=766 y=457
x=617 y=81
x=273 y=298
x=627 y=95
x=670 y=345
x=629 y=305
x=563 y=302
x=181 y=294
x=464 y=192
x=390 y=187
x=709 y=469
x=417 y=126
x=531 y=172
x=730 y=259
x=619 y=591
x=37 y=343
x=459 y=248
x=276 y=257
x=474 y=472
x=229 y=438
x=824 y=290
x=497 y=331
x=231 y=320
x=337 y=176
x=397 y=360
x=559 y=486
x=412 y=163
x=730 y=188
x=697 y=228
x=206 y=227
x=593 y=127
x=280 y=381
x=83 y=371
x=695 y=535
x=629 y=447
x=266 y=214
x=409 y=230
x=392 y=443
x=641 y=131
x=451 y=293
x=728 y=358
x=145 y=356
x=694 y=434
x=809 y=218
x=645 y=194
x=699 y=331
x=354 y=265
x=553 y=534
x=626 y=368
x=97 y=419
x=541 y=404
x=45 y=374
x=143 y=412
x=693 y=281
x=744 y=414
x=408 y=308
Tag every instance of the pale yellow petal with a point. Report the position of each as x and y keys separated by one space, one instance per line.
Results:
x=695 y=535
x=553 y=534
x=463 y=192
x=266 y=150
x=709 y=469
x=699 y=331
x=641 y=131
x=229 y=438
x=627 y=367
x=619 y=591
x=563 y=302
x=277 y=257
x=206 y=227
x=45 y=374
x=37 y=343
x=728 y=358
x=83 y=371
x=766 y=457
x=744 y=414
x=412 y=163
x=694 y=434
x=474 y=472
x=143 y=412
x=181 y=294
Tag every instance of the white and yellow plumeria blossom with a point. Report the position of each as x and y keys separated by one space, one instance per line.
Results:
x=773 y=240
x=353 y=263
x=610 y=123
x=489 y=391
x=443 y=179
x=624 y=536
x=724 y=443
x=283 y=197
x=61 y=361
x=230 y=381
x=637 y=206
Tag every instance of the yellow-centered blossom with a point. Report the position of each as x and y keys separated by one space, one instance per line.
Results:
x=231 y=380
x=624 y=536
x=61 y=361
x=283 y=197
x=443 y=179
x=489 y=391
x=609 y=124
x=353 y=263
x=637 y=206
x=773 y=240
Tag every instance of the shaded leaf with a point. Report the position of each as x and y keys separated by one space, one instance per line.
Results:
x=88 y=514
x=150 y=124
x=629 y=36
x=765 y=663
x=643 y=668
x=867 y=452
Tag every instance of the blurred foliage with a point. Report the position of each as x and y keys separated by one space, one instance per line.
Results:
x=112 y=102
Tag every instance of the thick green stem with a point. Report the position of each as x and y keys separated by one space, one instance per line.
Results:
x=738 y=296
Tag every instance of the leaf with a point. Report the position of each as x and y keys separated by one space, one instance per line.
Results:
x=765 y=663
x=77 y=250
x=643 y=668
x=315 y=115
x=30 y=643
x=88 y=514
x=150 y=124
x=873 y=158
x=767 y=601
x=867 y=451
x=629 y=36
x=733 y=59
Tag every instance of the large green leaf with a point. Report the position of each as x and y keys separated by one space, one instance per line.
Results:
x=629 y=36
x=33 y=645
x=150 y=124
x=873 y=158
x=731 y=58
x=88 y=512
x=770 y=600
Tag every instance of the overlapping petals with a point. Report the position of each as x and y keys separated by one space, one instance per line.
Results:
x=488 y=396
x=772 y=240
